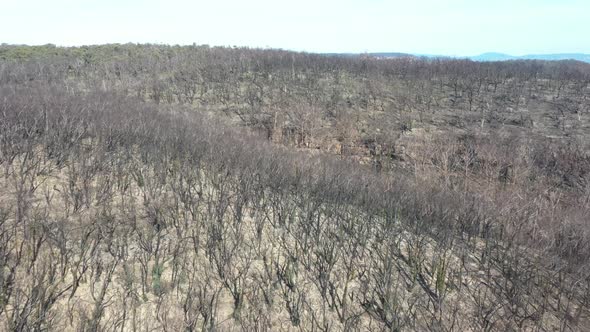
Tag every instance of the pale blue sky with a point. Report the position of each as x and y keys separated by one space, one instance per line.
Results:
x=453 y=27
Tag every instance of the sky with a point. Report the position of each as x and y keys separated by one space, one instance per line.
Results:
x=444 y=27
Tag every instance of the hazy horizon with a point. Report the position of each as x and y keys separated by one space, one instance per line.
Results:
x=456 y=28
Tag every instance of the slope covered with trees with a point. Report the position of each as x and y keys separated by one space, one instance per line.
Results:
x=153 y=187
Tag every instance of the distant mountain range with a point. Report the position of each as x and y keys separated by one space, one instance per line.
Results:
x=490 y=56
x=550 y=57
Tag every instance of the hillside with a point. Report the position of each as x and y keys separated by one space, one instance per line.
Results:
x=152 y=187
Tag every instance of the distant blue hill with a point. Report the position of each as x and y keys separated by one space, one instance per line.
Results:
x=490 y=56
x=549 y=57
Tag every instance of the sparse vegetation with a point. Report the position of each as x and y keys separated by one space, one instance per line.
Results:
x=149 y=187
